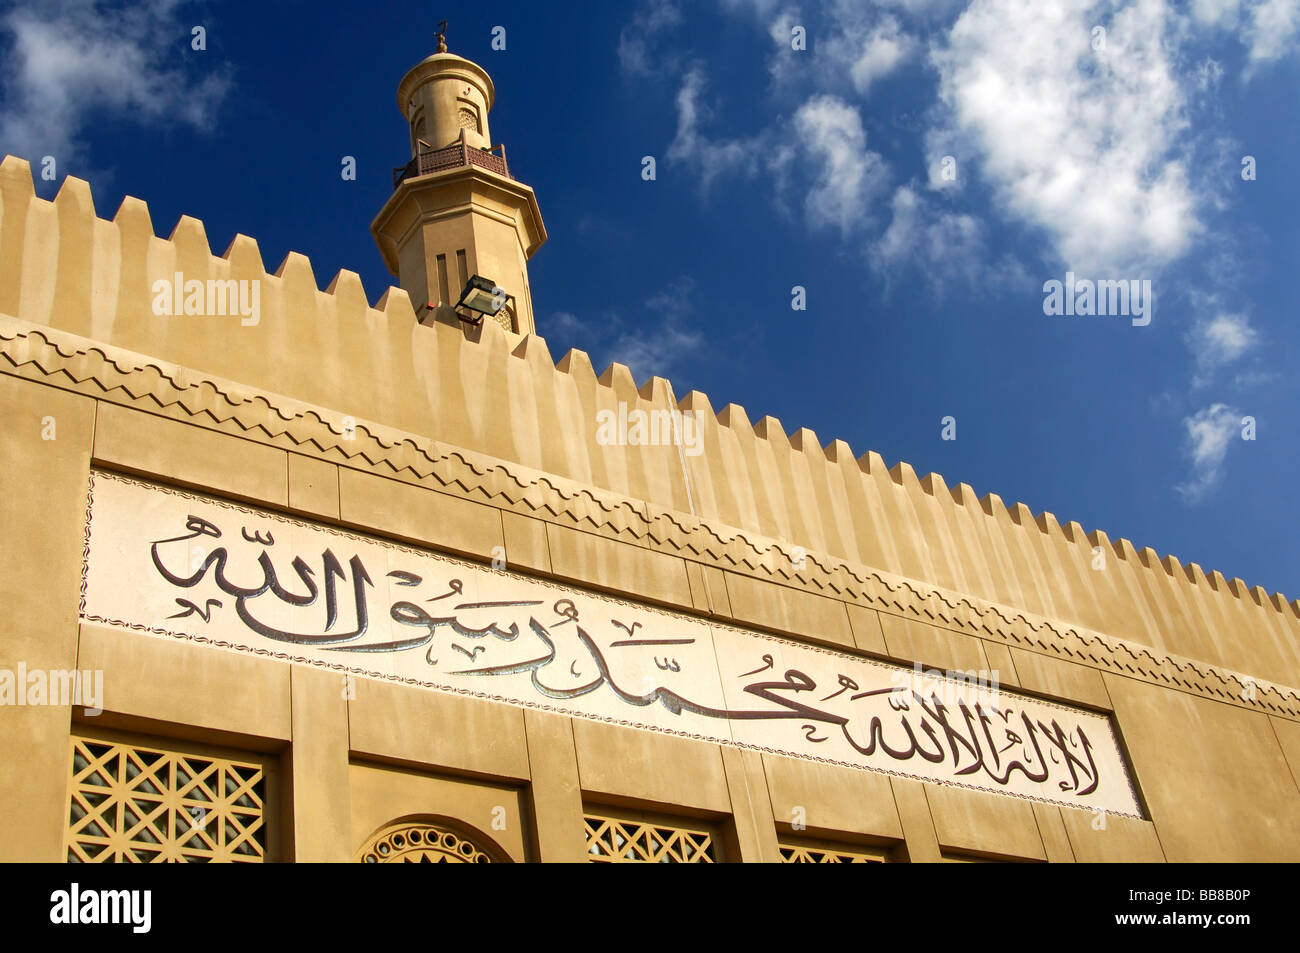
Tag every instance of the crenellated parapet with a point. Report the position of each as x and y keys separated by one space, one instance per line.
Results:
x=368 y=385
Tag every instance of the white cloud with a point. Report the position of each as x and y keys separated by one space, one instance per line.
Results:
x=635 y=55
x=1269 y=29
x=686 y=143
x=663 y=337
x=1218 y=341
x=848 y=174
x=1216 y=13
x=1207 y=75
x=73 y=63
x=711 y=157
x=563 y=322
x=1273 y=29
x=1255 y=379
x=850 y=46
x=824 y=138
x=923 y=8
x=1209 y=433
x=1110 y=154
x=786 y=65
x=885 y=49
x=1095 y=148
x=1081 y=144
x=945 y=248
x=655 y=352
x=919 y=236
x=761 y=10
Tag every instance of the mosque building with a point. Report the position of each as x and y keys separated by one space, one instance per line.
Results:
x=290 y=576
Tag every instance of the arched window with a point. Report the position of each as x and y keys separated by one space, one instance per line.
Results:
x=467 y=116
x=417 y=130
x=428 y=840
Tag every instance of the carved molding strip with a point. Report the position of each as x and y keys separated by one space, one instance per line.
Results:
x=123 y=377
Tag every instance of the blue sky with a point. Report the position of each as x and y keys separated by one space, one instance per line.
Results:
x=1116 y=153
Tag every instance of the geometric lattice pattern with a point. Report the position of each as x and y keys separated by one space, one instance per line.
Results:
x=136 y=804
x=467 y=119
x=614 y=841
x=802 y=854
x=421 y=844
x=505 y=318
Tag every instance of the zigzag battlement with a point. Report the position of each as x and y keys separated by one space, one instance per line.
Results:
x=504 y=396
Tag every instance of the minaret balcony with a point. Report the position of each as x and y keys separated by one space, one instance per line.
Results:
x=454 y=156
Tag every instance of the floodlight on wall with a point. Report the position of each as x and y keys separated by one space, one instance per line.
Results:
x=481 y=296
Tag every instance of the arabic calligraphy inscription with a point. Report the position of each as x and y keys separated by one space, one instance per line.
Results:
x=181 y=565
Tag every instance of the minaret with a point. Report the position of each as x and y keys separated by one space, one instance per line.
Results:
x=455 y=210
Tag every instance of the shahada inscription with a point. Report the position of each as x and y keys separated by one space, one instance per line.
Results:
x=185 y=566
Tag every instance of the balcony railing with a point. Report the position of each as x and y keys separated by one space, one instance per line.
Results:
x=454 y=156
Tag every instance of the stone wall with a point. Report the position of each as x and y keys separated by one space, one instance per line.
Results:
x=470 y=441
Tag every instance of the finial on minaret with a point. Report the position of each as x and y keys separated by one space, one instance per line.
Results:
x=442 y=37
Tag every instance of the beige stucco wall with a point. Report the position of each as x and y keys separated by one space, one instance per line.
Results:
x=466 y=441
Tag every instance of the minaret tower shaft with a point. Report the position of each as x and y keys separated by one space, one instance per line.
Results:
x=456 y=211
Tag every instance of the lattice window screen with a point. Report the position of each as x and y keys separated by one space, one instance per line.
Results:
x=137 y=804
x=616 y=840
x=506 y=318
x=467 y=118
x=795 y=853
